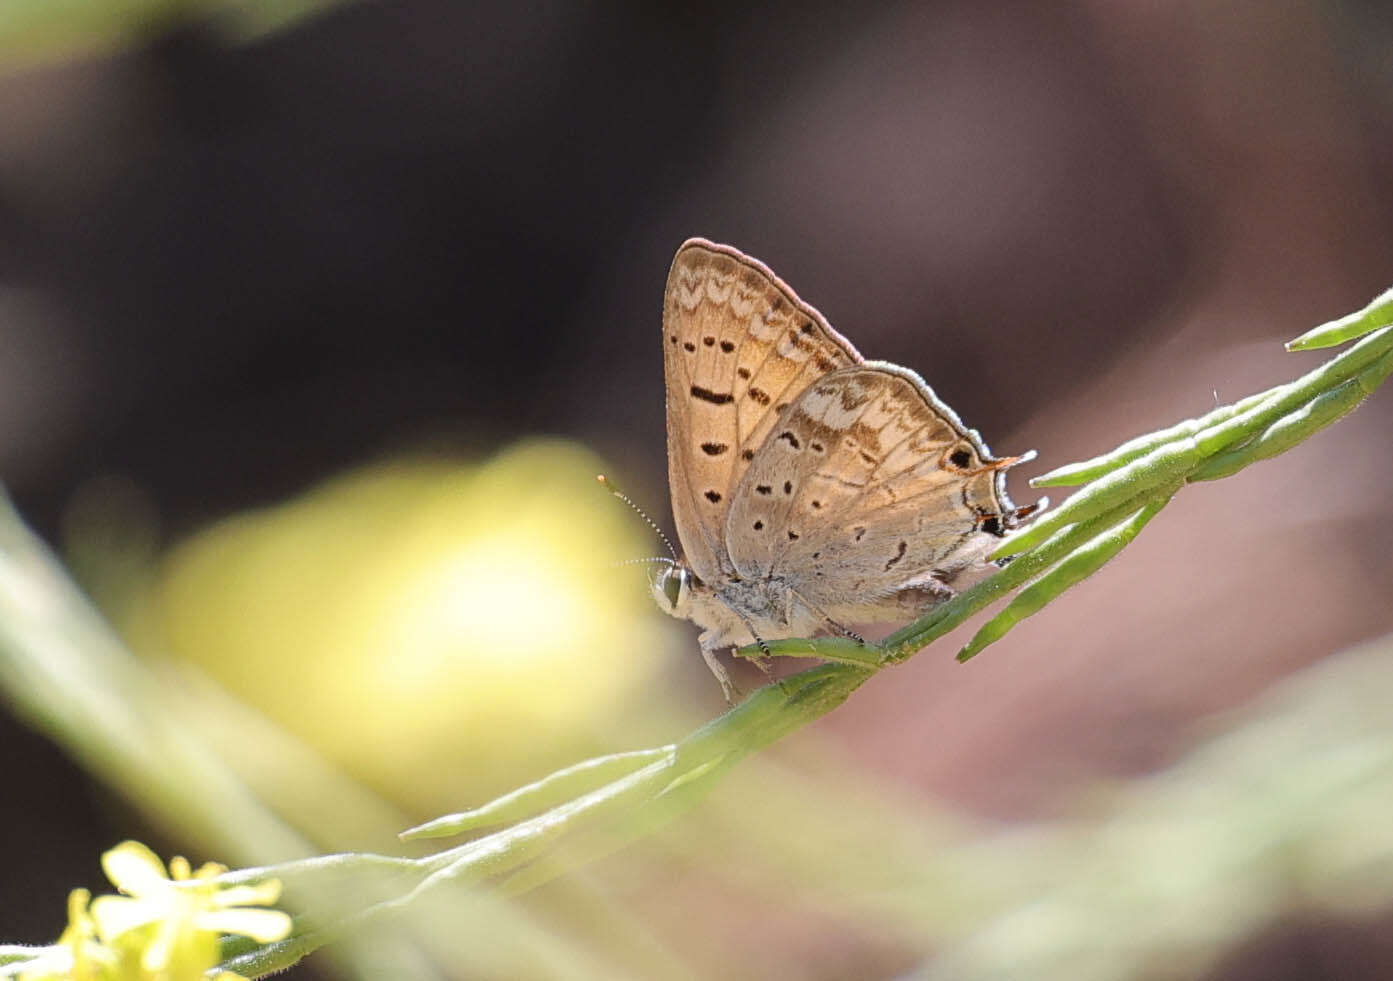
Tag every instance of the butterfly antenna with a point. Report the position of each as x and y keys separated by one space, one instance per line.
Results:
x=661 y=559
x=641 y=513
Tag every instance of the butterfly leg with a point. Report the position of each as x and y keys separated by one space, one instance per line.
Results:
x=763 y=662
x=837 y=628
x=708 y=654
x=924 y=593
x=828 y=623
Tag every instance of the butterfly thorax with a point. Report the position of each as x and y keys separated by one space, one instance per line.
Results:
x=734 y=612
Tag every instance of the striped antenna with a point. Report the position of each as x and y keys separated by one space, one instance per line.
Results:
x=660 y=559
x=605 y=482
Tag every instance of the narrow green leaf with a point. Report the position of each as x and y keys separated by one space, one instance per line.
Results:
x=947 y=616
x=536 y=797
x=1074 y=474
x=1286 y=399
x=1378 y=313
x=1134 y=481
x=1300 y=425
x=1223 y=426
x=1082 y=563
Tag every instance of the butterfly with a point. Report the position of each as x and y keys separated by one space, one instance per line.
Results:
x=812 y=490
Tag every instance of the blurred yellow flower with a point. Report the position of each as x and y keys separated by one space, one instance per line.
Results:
x=439 y=630
x=78 y=955
x=165 y=928
x=187 y=911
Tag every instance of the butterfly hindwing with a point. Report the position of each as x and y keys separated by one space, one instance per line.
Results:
x=868 y=483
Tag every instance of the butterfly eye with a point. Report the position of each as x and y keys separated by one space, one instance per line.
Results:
x=674 y=581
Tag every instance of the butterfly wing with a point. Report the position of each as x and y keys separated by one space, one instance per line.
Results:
x=739 y=346
x=868 y=485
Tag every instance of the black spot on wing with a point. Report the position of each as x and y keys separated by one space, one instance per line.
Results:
x=715 y=398
x=790 y=439
x=899 y=554
x=713 y=497
x=759 y=395
x=714 y=449
x=727 y=346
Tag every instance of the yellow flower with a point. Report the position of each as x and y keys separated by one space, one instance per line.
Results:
x=174 y=919
x=77 y=956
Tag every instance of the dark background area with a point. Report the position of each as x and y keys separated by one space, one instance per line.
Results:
x=255 y=264
x=231 y=270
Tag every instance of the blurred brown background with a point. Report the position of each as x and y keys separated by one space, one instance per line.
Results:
x=233 y=267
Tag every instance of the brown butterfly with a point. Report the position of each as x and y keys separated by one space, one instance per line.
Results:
x=812 y=490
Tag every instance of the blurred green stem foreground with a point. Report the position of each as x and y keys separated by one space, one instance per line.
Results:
x=65 y=671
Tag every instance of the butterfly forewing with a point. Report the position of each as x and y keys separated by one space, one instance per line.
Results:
x=739 y=347
x=868 y=483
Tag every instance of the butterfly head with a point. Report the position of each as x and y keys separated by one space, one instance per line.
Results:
x=673 y=588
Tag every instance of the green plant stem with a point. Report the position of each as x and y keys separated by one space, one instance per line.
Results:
x=597 y=822
x=1299 y=425
x=914 y=637
x=1227 y=424
x=1081 y=563
x=559 y=786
